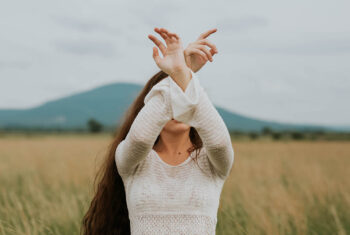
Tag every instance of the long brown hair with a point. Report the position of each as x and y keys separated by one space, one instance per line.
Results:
x=108 y=212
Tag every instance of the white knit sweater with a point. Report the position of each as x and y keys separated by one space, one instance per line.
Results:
x=167 y=199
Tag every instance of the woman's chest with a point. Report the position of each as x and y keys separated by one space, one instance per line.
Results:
x=162 y=188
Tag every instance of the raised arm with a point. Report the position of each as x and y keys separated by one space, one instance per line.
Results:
x=165 y=101
x=157 y=110
x=145 y=129
x=179 y=96
x=194 y=108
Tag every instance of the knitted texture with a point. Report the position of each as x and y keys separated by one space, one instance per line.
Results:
x=174 y=199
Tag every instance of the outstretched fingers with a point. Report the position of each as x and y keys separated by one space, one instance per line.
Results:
x=194 y=50
x=170 y=34
x=161 y=33
x=207 y=33
x=156 y=56
x=209 y=44
x=167 y=35
x=158 y=43
x=205 y=50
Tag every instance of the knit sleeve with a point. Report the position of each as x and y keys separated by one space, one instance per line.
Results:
x=144 y=130
x=194 y=108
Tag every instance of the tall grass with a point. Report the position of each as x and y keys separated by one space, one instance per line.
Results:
x=274 y=187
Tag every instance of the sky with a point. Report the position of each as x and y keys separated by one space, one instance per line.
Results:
x=285 y=61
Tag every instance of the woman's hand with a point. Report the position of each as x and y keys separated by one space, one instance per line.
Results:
x=173 y=62
x=196 y=54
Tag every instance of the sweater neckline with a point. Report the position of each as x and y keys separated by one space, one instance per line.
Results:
x=168 y=165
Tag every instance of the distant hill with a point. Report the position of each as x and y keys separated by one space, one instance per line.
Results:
x=107 y=104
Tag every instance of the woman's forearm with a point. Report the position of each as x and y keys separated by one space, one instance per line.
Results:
x=182 y=77
x=195 y=108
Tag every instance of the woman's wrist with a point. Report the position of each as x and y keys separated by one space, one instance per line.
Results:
x=179 y=72
x=182 y=77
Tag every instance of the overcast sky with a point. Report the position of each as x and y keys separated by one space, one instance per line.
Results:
x=278 y=60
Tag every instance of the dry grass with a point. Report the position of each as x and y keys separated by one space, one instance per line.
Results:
x=287 y=188
x=274 y=187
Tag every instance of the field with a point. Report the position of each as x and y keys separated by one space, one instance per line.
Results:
x=281 y=187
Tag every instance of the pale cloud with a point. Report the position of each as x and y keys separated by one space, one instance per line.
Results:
x=230 y=25
x=14 y=64
x=86 y=25
x=84 y=47
x=300 y=46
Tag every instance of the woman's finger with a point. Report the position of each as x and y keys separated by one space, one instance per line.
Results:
x=156 y=56
x=208 y=43
x=172 y=37
x=205 y=50
x=176 y=36
x=207 y=33
x=213 y=51
x=158 y=43
x=169 y=33
x=162 y=34
x=198 y=52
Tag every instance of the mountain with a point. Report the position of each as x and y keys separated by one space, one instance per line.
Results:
x=107 y=104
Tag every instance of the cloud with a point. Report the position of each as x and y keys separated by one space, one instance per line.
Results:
x=241 y=24
x=157 y=15
x=301 y=46
x=315 y=47
x=85 y=47
x=14 y=64
x=86 y=25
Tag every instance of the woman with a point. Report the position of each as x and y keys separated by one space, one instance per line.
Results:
x=166 y=167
